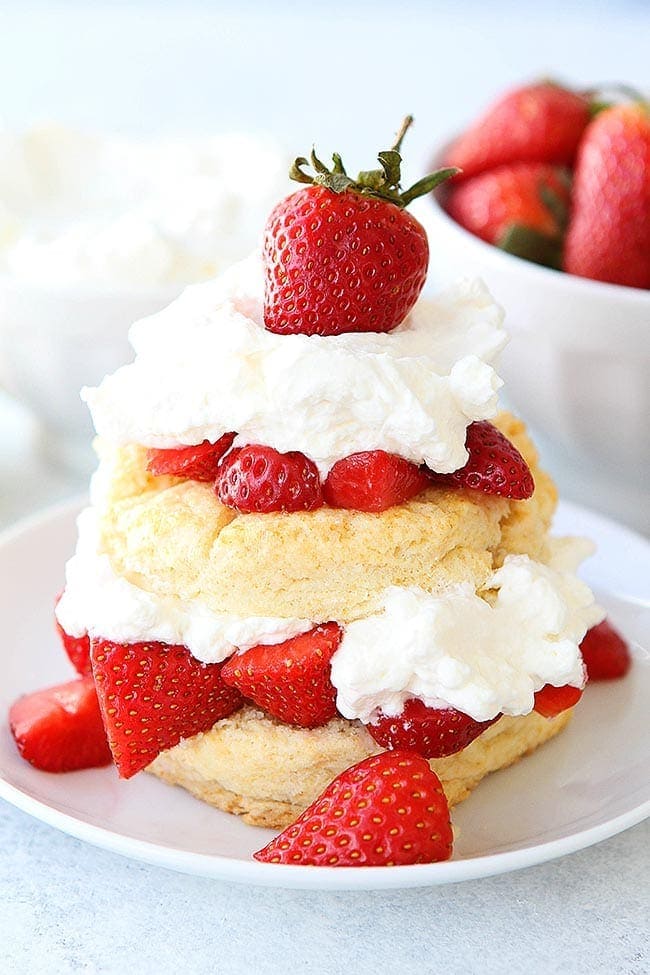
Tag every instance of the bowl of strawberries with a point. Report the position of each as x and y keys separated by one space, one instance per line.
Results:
x=552 y=209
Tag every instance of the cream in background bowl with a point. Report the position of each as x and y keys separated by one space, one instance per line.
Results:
x=577 y=366
x=98 y=231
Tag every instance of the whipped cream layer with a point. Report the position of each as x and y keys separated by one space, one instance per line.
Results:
x=78 y=208
x=99 y=602
x=455 y=648
x=206 y=366
x=451 y=648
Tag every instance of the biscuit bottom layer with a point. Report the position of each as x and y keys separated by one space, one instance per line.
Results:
x=268 y=772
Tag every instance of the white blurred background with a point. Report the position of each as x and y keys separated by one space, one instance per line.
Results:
x=340 y=74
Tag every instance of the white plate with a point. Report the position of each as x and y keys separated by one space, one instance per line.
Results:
x=589 y=783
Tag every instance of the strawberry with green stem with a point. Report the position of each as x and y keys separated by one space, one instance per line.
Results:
x=342 y=254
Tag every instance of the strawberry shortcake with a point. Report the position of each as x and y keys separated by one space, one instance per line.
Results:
x=317 y=557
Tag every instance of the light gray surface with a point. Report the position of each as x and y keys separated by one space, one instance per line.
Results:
x=68 y=907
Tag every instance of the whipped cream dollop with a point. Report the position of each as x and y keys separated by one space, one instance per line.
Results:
x=456 y=648
x=82 y=208
x=99 y=602
x=206 y=366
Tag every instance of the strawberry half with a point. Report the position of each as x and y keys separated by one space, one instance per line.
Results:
x=373 y=480
x=605 y=653
x=290 y=680
x=197 y=463
x=495 y=466
x=76 y=647
x=260 y=479
x=60 y=729
x=387 y=810
x=152 y=695
x=551 y=701
x=431 y=732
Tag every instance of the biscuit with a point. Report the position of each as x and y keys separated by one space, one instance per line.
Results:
x=174 y=538
x=268 y=772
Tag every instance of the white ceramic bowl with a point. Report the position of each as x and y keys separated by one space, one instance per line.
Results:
x=53 y=341
x=577 y=366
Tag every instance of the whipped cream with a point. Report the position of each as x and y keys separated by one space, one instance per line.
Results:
x=206 y=365
x=99 y=602
x=456 y=648
x=78 y=208
x=452 y=648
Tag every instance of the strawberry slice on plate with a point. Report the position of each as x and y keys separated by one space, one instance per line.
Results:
x=290 y=680
x=373 y=480
x=152 y=695
x=197 y=463
x=431 y=732
x=387 y=810
x=495 y=466
x=605 y=653
x=60 y=729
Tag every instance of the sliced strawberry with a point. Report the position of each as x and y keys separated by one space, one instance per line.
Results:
x=76 y=647
x=373 y=480
x=551 y=701
x=605 y=653
x=290 y=680
x=431 y=732
x=495 y=466
x=60 y=729
x=260 y=479
x=387 y=810
x=153 y=694
x=197 y=463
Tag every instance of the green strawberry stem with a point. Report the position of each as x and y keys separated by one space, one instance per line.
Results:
x=383 y=184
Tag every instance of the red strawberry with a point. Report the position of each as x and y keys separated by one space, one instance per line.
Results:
x=431 y=732
x=520 y=207
x=551 y=701
x=373 y=480
x=60 y=729
x=343 y=255
x=605 y=653
x=257 y=478
x=290 y=680
x=151 y=695
x=76 y=647
x=389 y=809
x=495 y=466
x=609 y=232
x=541 y=122
x=198 y=463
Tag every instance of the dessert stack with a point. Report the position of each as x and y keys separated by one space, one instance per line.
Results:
x=316 y=578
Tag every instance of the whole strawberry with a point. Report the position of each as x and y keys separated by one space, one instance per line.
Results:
x=343 y=255
x=609 y=232
x=520 y=207
x=387 y=810
x=541 y=122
